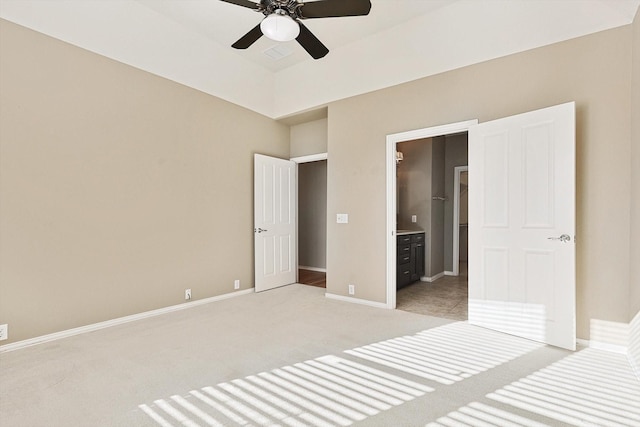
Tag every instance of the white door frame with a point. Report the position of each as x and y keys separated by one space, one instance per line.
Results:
x=298 y=160
x=310 y=158
x=392 y=140
x=456 y=217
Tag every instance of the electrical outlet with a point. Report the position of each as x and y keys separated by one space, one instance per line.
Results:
x=4 y=332
x=236 y=284
x=187 y=294
x=414 y=218
x=342 y=218
x=352 y=289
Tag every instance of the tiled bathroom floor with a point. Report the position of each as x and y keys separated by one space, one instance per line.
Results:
x=446 y=297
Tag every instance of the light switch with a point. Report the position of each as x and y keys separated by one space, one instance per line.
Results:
x=414 y=218
x=342 y=218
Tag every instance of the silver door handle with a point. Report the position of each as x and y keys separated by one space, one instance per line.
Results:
x=259 y=230
x=563 y=238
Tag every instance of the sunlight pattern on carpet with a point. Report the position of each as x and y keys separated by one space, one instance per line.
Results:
x=327 y=391
x=447 y=354
x=588 y=388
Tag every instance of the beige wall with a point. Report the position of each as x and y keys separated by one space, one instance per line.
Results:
x=309 y=138
x=111 y=200
x=634 y=290
x=594 y=71
x=118 y=189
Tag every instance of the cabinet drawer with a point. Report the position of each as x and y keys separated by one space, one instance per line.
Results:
x=403 y=259
x=404 y=239
x=404 y=273
x=404 y=276
x=417 y=238
x=404 y=250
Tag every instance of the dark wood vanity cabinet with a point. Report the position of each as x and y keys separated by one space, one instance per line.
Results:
x=410 y=258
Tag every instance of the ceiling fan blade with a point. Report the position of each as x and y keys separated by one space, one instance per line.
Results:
x=310 y=43
x=334 y=8
x=243 y=3
x=248 y=39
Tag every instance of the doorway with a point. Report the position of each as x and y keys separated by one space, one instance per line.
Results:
x=460 y=219
x=392 y=201
x=522 y=222
x=428 y=201
x=312 y=219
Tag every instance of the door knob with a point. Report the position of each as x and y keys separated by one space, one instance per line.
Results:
x=563 y=238
x=259 y=230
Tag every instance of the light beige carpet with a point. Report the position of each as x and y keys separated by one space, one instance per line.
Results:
x=290 y=356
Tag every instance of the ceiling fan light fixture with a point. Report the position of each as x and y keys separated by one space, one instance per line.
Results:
x=280 y=27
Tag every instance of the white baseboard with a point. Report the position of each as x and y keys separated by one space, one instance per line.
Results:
x=609 y=336
x=432 y=278
x=582 y=343
x=119 y=321
x=356 y=300
x=599 y=345
x=634 y=344
x=304 y=267
x=450 y=273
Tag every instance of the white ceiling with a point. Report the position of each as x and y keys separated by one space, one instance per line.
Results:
x=188 y=41
x=224 y=23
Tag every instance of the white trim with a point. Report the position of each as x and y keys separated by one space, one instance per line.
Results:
x=310 y=158
x=614 y=348
x=356 y=300
x=616 y=337
x=304 y=267
x=432 y=278
x=449 y=273
x=119 y=321
x=456 y=217
x=392 y=140
x=634 y=366
x=633 y=354
x=297 y=223
x=583 y=343
x=599 y=345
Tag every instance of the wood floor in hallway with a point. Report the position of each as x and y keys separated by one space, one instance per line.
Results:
x=312 y=278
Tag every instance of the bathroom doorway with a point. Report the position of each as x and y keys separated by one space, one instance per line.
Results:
x=439 y=292
x=432 y=194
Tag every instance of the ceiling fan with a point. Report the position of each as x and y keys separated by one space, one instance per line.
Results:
x=282 y=20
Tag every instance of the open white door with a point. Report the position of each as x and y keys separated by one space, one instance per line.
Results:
x=274 y=222
x=522 y=225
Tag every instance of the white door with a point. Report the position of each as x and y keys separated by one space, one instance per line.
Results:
x=522 y=225
x=274 y=222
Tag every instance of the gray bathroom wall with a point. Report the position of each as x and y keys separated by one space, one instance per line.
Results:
x=456 y=154
x=435 y=243
x=312 y=214
x=414 y=185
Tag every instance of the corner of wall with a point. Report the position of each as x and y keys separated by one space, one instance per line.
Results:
x=634 y=247
x=633 y=352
